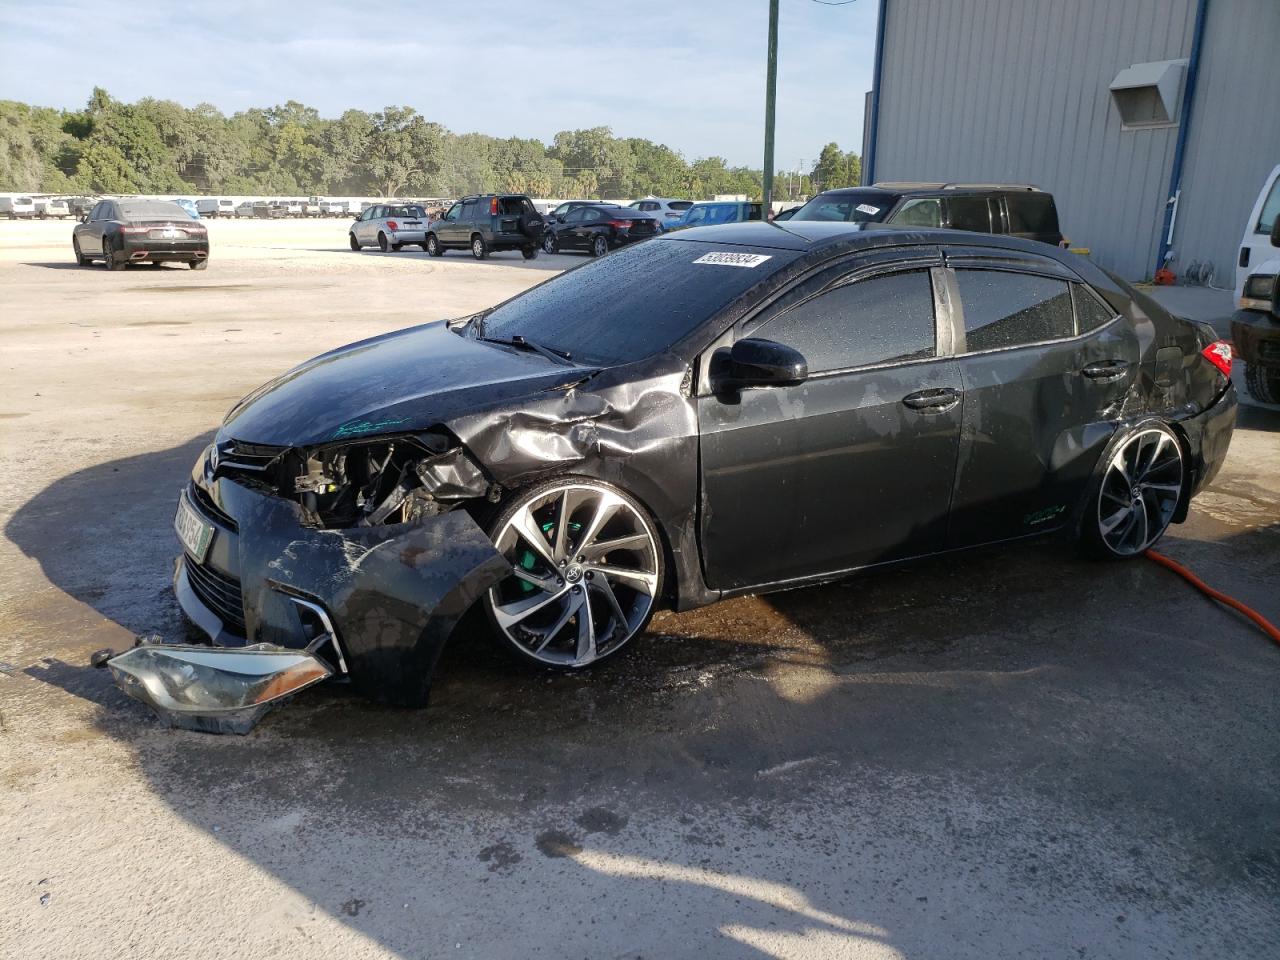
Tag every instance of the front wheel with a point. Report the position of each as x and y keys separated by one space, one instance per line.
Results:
x=1137 y=493
x=433 y=246
x=529 y=252
x=549 y=244
x=355 y=244
x=599 y=246
x=587 y=568
x=1263 y=383
x=479 y=249
x=81 y=259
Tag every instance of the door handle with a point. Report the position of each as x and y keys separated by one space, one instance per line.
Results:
x=932 y=401
x=1106 y=369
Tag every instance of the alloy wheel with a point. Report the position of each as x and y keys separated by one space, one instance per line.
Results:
x=599 y=247
x=549 y=243
x=585 y=571
x=1140 y=491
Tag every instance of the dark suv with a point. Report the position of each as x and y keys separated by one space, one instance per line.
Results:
x=487 y=224
x=1016 y=210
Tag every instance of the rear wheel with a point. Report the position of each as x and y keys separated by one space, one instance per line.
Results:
x=599 y=245
x=355 y=244
x=1137 y=493
x=529 y=253
x=382 y=241
x=1263 y=383
x=109 y=257
x=433 y=246
x=200 y=264
x=397 y=247
x=587 y=568
x=479 y=249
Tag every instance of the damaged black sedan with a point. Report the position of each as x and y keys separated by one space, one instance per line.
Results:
x=800 y=403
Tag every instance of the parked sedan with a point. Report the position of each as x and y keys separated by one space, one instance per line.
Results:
x=389 y=227
x=815 y=401
x=120 y=232
x=719 y=211
x=599 y=228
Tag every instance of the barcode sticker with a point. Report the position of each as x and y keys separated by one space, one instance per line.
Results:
x=734 y=259
x=867 y=209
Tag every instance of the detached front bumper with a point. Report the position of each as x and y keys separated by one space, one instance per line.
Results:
x=388 y=596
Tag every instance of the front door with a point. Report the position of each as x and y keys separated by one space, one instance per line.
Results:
x=855 y=465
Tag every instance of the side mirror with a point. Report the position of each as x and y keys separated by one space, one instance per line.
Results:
x=756 y=362
x=84 y=218
x=1275 y=232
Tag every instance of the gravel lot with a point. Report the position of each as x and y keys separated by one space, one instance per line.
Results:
x=1014 y=754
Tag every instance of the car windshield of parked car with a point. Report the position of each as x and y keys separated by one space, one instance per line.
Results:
x=634 y=303
x=150 y=210
x=854 y=206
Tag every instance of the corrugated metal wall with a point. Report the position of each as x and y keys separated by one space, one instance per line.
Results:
x=1017 y=91
x=1235 y=133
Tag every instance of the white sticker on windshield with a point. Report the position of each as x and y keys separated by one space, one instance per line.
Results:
x=734 y=259
x=867 y=209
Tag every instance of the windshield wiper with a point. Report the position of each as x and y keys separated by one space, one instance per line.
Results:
x=562 y=357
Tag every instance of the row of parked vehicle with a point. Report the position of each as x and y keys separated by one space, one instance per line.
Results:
x=35 y=208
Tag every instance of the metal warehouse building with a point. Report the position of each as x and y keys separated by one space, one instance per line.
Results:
x=1134 y=113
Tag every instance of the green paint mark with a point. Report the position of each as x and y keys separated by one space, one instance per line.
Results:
x=1043 y=516
x=359 y=428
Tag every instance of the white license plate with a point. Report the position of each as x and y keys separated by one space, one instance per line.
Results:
x=194 y=532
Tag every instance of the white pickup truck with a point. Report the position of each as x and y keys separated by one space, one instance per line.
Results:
x=1255 y=326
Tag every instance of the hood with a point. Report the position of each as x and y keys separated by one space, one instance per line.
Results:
x=408 y=380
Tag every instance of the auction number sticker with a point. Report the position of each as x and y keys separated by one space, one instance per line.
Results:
x=867 y=209
x=734 y=259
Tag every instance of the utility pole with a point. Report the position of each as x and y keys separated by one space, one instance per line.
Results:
x=770 y=92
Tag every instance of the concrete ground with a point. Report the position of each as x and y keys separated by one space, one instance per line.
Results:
x=1011 y=754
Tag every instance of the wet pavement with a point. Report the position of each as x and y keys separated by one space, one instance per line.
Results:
x=1004 y=753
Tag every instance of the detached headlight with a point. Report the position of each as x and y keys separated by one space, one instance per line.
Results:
x=1260 y=286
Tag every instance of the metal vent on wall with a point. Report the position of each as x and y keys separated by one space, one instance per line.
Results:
x=1148 y=94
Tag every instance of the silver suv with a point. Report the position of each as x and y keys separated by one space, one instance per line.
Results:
x=390 y=226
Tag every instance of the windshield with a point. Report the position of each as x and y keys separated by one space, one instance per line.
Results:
x=848 y=206
x=634 y=303
x=150 y=209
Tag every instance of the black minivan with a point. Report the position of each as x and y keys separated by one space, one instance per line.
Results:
x=1017 y=210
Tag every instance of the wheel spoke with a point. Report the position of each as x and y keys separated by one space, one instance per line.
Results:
x=510 y=614
x=531 y=533
x=570 y=608
x=602 y=585
x=603 y=548
x=586 y=630
x=1170 y=487
x=606 y=506
x=542 y=583
x=562 y=527
x=648 y=580
x=1114 y=520
x=1146 y=526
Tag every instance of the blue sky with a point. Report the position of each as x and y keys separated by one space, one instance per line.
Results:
x=689 y=74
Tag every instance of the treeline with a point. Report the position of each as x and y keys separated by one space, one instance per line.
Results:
x=158 y=146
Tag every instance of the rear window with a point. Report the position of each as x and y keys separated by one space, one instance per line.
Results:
x=1013 y=309
x=149 y=209
x=854 y=206
x=515 y=206
x=1031 y=213
x=409 y=212
x=604 y=313
x=680 y=204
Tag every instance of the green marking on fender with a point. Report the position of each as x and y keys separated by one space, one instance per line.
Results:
x=360 y=427
x=1043 y=516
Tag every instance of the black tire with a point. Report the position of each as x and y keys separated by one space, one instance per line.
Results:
x=549 y=244
x=529 y=252
x=81 y=259
x=355 y=244
x=516 y=502
x=383 y=245
x=479 y=249
x=433 y=246
x=199 y=264
x=397 y=247
x=110 y=258
x=1092 y=541
x=1263 y=383
x=599 y=245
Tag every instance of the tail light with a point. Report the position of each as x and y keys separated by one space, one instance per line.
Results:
x=620 y=224
x=493 y=206
x=1219 y=353
x=392 y=225
x=130 y=228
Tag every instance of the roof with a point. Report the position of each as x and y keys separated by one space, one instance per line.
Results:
x=907 y=186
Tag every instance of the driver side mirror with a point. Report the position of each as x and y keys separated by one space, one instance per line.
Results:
x=1275 y=232
x=755 y=362
x=84 y=218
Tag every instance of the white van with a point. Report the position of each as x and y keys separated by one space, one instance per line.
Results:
x=15 y=207
x=47 y=207
x=1255 y=326
x=216 y=207
x=1257 y=257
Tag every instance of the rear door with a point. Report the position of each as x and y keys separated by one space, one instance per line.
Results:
x=972 y=213
x=855 y=465
x=1044 y=367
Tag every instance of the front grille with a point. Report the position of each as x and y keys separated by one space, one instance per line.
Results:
x=251 y=457
x=204 y=503
x=218 y=592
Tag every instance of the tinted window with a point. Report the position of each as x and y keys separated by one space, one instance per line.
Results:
x=567 y=313
x=1031 y=213
x=878 y=320
x=469 y=208
x=1270 y=209
x=680 y=204
x=969 y=213
x=454 y=213
x=576 y=215
x=754 y=211
x=852 y=206
x=95 y=213
x=1091 y=312
x=920 y=213
x=1012 y=309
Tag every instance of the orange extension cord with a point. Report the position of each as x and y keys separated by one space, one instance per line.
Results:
x=1267 y=626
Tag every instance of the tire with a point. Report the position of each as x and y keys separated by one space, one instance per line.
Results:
x=1139 y=484
x=397 y=247
x=355 y=244
x=81 y=259
x=479 y=249
x=199 y=264
x=383 y=245
x=537 y=614
x=1263 y=383
x=599 y=245
x=433 y=246
x=110 y=259
x=549 y=244
x=529 y=253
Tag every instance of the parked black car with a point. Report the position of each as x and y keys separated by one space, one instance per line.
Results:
x=487 y=224
x=805 y=402
x=599 y=228
x=562 y=210
x=120 y=232
x=1017 y=210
